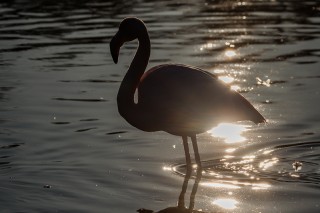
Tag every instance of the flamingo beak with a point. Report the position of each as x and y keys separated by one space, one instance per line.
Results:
x=115 y=45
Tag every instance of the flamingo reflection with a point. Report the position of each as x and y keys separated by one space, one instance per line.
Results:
x=181 y=201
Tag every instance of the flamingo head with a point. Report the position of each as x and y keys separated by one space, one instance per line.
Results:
x=129 y=29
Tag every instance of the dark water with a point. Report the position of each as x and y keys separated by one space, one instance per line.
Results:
x=64 y=148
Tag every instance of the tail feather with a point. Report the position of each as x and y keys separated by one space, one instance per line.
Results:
x=247 y=111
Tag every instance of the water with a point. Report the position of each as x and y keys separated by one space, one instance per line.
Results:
x=64 y=147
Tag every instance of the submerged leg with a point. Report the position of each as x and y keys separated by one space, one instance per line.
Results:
x=199 y=172
x=188 y=172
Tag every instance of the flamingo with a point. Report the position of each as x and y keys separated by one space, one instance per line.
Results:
x=179 y=99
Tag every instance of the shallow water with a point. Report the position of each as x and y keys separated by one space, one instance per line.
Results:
x=65 y=148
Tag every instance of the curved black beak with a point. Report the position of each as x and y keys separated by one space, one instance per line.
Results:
x=115 y=45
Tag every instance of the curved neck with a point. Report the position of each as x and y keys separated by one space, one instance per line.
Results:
x=126 y=106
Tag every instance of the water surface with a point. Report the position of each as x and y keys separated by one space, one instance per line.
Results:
x=65 y=148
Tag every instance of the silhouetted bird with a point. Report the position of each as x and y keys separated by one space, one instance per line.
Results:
x=178 y=99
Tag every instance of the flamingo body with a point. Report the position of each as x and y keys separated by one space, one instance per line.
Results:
x=184 y=100
x=179 y=99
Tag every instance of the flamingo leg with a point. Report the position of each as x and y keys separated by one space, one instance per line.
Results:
x=199 y=172
x=188 y=172
x=196 y=152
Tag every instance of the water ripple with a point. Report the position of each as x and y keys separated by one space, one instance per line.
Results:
x=265 y=165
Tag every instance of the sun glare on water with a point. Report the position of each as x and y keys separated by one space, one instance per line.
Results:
x=230 y=53
x=226 y=79
x=231 y=133
x=226 y=203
